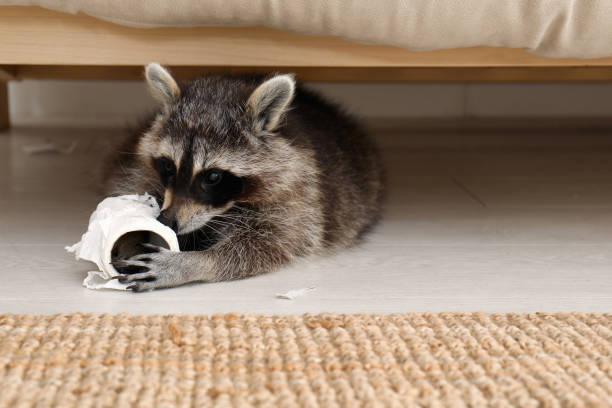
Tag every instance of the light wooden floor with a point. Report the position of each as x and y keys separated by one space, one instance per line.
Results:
x=512 y=228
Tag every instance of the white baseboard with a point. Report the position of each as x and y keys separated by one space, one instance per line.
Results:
x=73 y=121
x=423 y=133
x=108 y=103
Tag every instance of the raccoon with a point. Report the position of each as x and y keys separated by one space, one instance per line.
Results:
x=251 y=172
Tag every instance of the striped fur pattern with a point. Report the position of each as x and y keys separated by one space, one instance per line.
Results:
x=251 y=172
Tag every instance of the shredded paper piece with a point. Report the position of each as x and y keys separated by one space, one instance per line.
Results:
x=49 y=147
x=113 y=218
x=292 y=294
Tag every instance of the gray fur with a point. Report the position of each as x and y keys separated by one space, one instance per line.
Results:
x=310 y=179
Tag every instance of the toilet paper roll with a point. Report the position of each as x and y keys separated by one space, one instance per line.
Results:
x=115 y=229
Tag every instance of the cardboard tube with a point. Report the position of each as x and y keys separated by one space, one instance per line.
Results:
x=115 y=229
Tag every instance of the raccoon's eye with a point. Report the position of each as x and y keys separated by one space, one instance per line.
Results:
x=168 y=167
x=212 y=177
x=165 y=167
x=216 y=187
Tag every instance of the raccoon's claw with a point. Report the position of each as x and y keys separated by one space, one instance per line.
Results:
x=152 y=248
x=131 y=266
x=149 y=271
x=142 y=287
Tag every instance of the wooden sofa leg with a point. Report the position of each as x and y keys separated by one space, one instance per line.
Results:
x=4 y=105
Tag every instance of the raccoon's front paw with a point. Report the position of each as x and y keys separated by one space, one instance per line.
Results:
x=159 y=268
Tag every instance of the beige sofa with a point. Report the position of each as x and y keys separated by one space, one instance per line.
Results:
x=336 y=40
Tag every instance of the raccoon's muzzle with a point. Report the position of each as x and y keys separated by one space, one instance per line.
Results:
x=169 y=220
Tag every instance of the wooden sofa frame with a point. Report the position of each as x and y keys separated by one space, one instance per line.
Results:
x=39 y=43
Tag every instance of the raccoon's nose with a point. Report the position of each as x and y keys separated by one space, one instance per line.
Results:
x=168 y=220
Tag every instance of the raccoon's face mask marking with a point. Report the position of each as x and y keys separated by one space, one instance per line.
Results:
x=206 y=146
x=166 y=169
x=190 y=202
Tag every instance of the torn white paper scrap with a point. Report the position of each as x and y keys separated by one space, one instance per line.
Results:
x=96 y=280
x=292 y=294
x=49 y=147
x=119 y=221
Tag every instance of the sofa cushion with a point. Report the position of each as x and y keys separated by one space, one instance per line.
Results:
x=554 y=28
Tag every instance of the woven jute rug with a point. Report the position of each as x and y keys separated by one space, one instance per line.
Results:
x=433 y=360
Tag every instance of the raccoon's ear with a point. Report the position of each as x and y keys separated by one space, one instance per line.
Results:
x=163 y=87
x=269 y=102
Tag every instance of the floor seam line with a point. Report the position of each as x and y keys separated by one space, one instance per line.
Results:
x=469 y=192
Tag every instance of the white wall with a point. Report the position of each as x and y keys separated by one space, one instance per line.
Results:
x=119 y=102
